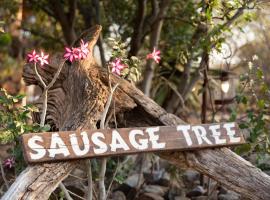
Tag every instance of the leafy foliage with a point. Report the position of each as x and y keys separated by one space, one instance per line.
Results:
x=119 y=50
x=256 y=99
x=15 y=120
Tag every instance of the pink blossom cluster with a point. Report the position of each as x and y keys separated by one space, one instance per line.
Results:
x=154 y=55
x=41 y=58
x=71 y=54
x=117 y=65
x=9 y=162
x=80 y=53
x=77 y=53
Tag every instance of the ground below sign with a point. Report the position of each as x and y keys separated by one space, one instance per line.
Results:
x=66 y=145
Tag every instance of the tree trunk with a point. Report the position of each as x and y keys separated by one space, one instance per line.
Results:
x=77 y=100
x=154 y=38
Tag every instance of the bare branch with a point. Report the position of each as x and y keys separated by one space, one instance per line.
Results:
x=100 y=40
x=102 y=193
x=56 y=76
x=90 y=180
x=136 y=38
x=155 y=35
x=63 y=188
x=72 y=11
x=3 y=175
x=189 y=82
x=65 y=21
x=39 y=77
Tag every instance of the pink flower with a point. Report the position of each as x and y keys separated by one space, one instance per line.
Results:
x=154 y=55
x=9 y=162
x=43 y=59
x=81 y=52
x=77 y=53
x=117 y=66
x=84 y=50
x=72 y=54
x=32 y=57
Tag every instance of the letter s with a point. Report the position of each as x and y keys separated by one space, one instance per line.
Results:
x=40 y=151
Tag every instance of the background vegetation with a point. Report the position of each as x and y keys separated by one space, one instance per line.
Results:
x=214 y=63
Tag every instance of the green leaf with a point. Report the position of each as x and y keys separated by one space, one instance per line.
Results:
x=244 y=148
x=241 y=99
x=5 y=39
x=119 y=179
x=243 y=126
x=259 y=74
x=20 y=96
x=31 y=108
x=233 y=116
x=45 y=128
x=208 y=14
x=261 y=104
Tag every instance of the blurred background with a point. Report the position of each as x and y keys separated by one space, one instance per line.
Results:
x=214 y=67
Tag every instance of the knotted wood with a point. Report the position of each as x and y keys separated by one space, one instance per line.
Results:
x=76 y=102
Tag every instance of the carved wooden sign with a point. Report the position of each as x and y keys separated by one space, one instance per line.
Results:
x=67 y=145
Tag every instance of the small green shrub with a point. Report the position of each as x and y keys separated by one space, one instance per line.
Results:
x=15 y=120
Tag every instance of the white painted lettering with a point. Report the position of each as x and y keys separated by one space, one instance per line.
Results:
x=184 y=129
x=216 y=134
x=102 y=147
x=75 y=144
x=141 y=144
x=57 y=146
x=200 y=133
x=231 y=133
x=154 y=138
x=39 y=149
x=118 y=142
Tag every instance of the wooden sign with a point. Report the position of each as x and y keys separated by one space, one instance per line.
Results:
x=67 y=145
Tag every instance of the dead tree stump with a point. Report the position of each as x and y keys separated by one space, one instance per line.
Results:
x=77 y=100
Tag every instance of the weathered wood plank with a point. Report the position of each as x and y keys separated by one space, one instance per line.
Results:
x=67 y=145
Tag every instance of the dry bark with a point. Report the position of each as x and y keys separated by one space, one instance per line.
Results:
x=77 y=101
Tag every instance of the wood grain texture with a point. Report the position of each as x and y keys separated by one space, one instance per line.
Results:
x=77 y=102
x=86 y=144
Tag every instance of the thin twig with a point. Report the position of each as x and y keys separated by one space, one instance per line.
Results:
x=3 y=175
x=109 y=77
x=108 y=119
x=45 y=105
x=119 y=166
x=57 y=74
x=173 y=87
x=90 y=180
x=107 y=106
x=113 y=177
x=102 y=189
x=39 y=77
x=75 y=195
x=45 y=101
x=101 y=183
x=114 y=115
x=64 y=189
x=143 y=159
x=95 y=194
x=83 y=179
x=46 y=89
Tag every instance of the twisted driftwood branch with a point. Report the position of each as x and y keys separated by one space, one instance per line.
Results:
x=77 y=100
